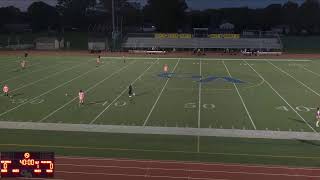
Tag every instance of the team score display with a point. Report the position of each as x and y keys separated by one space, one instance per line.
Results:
x=27 y=164
x=195 y=105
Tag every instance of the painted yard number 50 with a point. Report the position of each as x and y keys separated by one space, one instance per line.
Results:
x=194 y=105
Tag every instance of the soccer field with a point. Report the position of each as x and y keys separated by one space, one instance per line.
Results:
x=201 y=110
x=277 y=95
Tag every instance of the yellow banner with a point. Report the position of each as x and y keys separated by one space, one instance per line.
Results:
x=172 y=35
x=226 y=36
x=186 y=36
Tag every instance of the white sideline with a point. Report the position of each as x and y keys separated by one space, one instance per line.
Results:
x=260 y=134
x=244 y=105
x=154 y=105
x=122 y=93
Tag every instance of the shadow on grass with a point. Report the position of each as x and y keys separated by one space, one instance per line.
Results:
x=18 y=94
x=142 y=93
x=313 y=143
x=297 y=120
x=96 y=102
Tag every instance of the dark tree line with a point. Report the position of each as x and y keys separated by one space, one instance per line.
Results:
x=166 y=15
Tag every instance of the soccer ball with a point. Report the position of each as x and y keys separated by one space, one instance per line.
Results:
x=66 y=94
x=134 y=94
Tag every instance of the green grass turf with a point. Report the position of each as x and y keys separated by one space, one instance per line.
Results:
x=162 y=147
x=51 y=78
x=39 y=94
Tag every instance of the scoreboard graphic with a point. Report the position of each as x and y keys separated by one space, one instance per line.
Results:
x=27 y=164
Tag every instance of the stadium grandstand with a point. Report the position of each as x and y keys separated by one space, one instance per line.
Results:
x=246 y=41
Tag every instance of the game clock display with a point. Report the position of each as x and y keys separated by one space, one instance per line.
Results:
x=27 y=164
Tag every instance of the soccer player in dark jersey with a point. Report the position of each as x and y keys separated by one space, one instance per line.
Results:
x=98 y=61
x=131 y=93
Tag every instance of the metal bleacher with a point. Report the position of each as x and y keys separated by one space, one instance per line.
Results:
x=207 y=43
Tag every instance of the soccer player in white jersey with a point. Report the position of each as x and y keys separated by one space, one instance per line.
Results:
x=318 y=117
x=5 y=90
x=81 y=97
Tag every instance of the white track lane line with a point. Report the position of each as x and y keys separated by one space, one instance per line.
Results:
x=186 y=163
x=181 y=169
x=135 y=175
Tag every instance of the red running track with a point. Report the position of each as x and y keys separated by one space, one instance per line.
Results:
x=81 y=168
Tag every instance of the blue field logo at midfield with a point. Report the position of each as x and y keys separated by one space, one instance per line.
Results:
x=201 y=79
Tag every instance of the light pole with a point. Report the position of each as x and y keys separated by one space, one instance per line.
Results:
x=113 y=25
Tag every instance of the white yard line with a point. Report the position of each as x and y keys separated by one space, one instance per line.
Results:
x=198 y=144
x=281 y=97
x=46 y=77
x=199 y=96
x=47 y=92
x=88 y=90
x=214 y=59
x=199 y=104
x=122 y=93
x=28 y=73
x=317 y=74
x=294 y=79
x=244 y=105
x=155 y=103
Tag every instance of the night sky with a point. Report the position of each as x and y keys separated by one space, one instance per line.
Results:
x=193 y=4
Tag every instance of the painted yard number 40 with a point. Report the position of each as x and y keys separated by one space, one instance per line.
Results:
x=298 y=108
x=194 y=105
